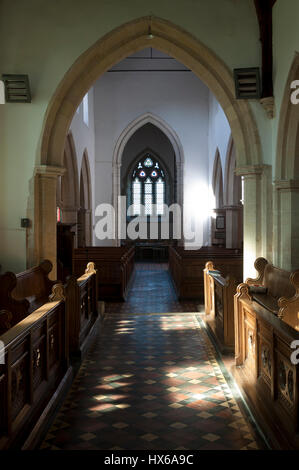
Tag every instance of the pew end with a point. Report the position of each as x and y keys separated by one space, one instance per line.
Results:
x=266 y=324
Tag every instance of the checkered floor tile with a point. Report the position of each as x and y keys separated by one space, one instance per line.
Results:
x=151 y=291
x=150 y=382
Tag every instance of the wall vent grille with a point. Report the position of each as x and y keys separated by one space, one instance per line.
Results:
x=247 y=83
x=17 y=88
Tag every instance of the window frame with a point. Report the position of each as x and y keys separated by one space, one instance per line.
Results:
x=133 y=177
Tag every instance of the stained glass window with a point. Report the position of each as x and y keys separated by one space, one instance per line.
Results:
x=160 y=196
x=148 y=197
x=148 y=162
x=136 y=197
x=148 y=187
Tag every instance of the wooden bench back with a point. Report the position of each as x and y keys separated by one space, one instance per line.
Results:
x=34 y=282
x=278 y=282
x=23 y=293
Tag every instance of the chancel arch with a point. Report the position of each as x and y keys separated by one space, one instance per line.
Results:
x=101 y=56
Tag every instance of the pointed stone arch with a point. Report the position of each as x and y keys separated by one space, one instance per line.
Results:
x=232 y=182
x=217 y=181
x=232 y=200
x=68 y=184
x=287 y=152
x=132 y=37
x=286 y=185
x=100 y=57
x=127 y=133
x=85 y=211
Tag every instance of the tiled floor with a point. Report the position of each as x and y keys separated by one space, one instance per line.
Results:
x=151 y=381
x=151 y=291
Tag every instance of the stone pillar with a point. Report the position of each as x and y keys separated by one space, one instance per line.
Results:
x=180 y=196
x=45 y=215
x=286 y=224
x=234 y=226
x=116 y=192
x=257 y=225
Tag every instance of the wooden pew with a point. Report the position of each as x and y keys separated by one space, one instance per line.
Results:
x=219 y=294
x=22 y=293
x=82 y=309
x=266 y=324
x=114 y=265
x=186 y=267
x=35 y=374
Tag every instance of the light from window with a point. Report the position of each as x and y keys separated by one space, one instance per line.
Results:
x=242 y=191
x=148 y=187
x=136 y=197
x=148 y=197
x=160 y=196
x=85 y=109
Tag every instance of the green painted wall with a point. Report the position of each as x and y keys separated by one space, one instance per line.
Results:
x=43 y=38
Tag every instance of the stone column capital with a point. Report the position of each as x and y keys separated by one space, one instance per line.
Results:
x=251 y=171
x=286 y=185
x=49 y=171
x=233 y=208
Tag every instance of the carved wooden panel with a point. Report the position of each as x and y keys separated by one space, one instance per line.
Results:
x=250 y=341
x=20 y=393
x=54 y=345
x=285 y=382
x=39 y=361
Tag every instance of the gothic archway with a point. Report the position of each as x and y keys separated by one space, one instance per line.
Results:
x=68 y=183
x=217 y=182
x=128 y=132
x=232 y=200
x=85 y=210
x=109 y=50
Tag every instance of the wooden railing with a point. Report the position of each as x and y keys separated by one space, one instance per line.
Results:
x=82 y=308
x=115 y=266
x=186 y=267
x=219 y=306
x=36 y=367
x=36 y=353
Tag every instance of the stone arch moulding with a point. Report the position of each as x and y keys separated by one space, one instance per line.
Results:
x=85 y=211
x=232 y=199
x=217 y=181
x=128 y=132
x=286 y=184
x=71 y=174
x=100 y=57
x=126 y=40
x=287 y=168
x=232 y=183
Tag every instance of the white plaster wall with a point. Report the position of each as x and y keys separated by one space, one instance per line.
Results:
x=178 y=98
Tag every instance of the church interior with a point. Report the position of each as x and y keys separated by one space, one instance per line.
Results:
x=149 y=247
